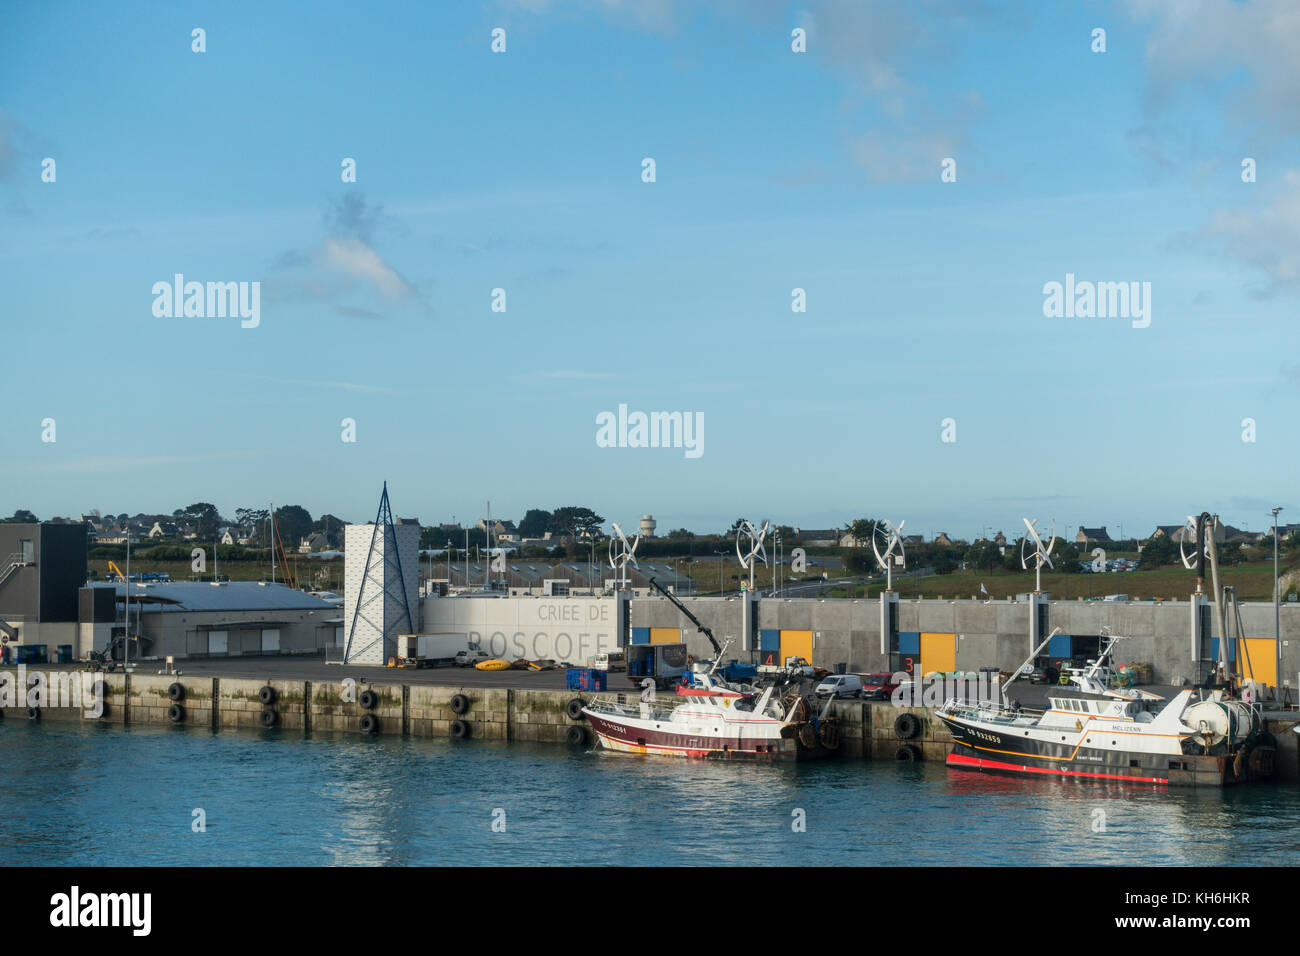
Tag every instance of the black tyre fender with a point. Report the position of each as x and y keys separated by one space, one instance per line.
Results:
x=907 y=726
x=907 y=753
x=176 y=713
x=574 y=708
x=33 y=713
x=266 y=695
x=176 y=692
x=459 y=704
x=576 y=735
x=369 y=724
x=460 y=729
x=368 y=700
x=269 y=717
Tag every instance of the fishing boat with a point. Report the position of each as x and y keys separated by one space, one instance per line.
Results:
x=1122 y=735
x=709 y=716
x=713 y=718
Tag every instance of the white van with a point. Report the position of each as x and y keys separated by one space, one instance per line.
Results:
x=840 y=685
x=609 y=661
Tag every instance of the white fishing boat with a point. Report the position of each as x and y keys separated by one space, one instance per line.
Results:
x=1124 y=735
x=709 y=717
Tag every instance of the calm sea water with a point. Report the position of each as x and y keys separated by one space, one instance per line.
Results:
x=98 y=795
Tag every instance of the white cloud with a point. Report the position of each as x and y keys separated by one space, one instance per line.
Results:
x=1266 y=237
x=1241 y=54
x=354 y=257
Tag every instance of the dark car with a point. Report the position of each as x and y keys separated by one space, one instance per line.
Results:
x=878 y=686
x=1045 y=674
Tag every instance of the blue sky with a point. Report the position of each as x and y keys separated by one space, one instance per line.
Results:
x=775 y=170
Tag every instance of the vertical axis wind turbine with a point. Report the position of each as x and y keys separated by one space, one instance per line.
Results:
x=755 y=549
x=621 y=551
x=893 y=536
x=1042 y=553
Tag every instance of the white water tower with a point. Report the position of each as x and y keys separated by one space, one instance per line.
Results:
x=648 y=526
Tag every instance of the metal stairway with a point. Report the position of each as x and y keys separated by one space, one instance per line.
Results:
x=14 y=562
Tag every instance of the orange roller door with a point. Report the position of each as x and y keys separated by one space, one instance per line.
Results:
x=938 y=653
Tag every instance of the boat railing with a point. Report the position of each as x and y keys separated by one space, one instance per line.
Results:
x=652 y=710
x=987 y=709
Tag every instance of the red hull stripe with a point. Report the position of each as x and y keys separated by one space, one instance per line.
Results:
x=961 y=760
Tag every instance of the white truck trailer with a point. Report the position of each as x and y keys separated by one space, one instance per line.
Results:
x=430 y=650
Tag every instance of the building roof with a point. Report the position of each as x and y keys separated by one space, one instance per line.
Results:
x=1097 y=533
x=227 y=596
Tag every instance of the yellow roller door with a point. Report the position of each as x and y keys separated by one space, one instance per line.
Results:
x=665 y=635
x=1262 y=663
x=796 y=644
x=938 y=653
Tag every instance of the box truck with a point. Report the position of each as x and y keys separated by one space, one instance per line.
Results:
x=662 y=663
x=430 y=650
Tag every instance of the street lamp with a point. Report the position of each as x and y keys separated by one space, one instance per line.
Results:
x=721 y=561
x=1277 y=624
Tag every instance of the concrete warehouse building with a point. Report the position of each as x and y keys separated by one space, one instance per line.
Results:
x=41 y=568
x=44 y=600
x=204 y=619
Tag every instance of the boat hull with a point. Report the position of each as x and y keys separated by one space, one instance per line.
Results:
x=984 y=748
x=764 y=742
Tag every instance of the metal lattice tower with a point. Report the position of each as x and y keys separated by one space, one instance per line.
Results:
x=382 y=581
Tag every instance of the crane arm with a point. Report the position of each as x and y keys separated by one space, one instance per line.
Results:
x=691 y=617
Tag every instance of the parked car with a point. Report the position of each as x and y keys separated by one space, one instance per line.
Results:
x=470 y=658
x=840 y=685
x=608 y=661
x=1045 y=674
x=878 y=686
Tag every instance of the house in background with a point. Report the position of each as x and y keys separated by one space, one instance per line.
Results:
x=1090 y=536
x=501 y=530
x=314 y=542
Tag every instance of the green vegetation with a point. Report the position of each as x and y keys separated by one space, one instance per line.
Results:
x=1254 y=582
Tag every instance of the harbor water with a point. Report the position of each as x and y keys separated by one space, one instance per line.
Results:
x=73 y=794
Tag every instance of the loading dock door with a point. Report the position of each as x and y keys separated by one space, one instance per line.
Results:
x=796 y=644
x=938 y=653
x=1259 y=660
x=217 y=642
x=270 y=640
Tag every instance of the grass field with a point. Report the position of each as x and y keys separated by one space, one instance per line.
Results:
x=1254 y=582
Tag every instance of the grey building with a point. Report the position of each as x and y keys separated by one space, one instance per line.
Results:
x=203 y=619
x=41 y=568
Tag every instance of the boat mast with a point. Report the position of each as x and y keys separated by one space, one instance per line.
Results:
x=1028 y=660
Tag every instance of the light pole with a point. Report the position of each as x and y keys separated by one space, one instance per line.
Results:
x=721 y=561
x=1277 y=622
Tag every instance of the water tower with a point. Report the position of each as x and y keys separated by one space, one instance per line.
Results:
x=647 y=526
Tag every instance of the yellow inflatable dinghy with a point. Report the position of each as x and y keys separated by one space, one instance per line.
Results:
x=496 y=664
